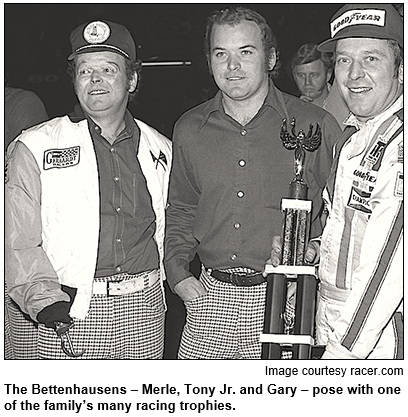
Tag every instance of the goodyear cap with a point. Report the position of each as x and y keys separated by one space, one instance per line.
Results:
x=380 y=21
x=102 y=36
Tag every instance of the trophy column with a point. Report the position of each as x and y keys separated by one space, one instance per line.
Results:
x=295 y=232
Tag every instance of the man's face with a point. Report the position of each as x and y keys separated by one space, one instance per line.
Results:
x=238 y=60
x=101 y=83
x=311 y=78
x=365 y=74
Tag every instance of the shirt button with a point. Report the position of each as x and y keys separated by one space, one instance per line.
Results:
x=242 y=163
x=233 y=257
x=112 y=150
x=240 y=194
x=237 y=225
x=118 y=240
x=118 y=269
x=244 y=132
x=118 y=209
x=116 y=179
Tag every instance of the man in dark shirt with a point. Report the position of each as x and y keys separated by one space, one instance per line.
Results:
x=229 y=175
x=85 y=199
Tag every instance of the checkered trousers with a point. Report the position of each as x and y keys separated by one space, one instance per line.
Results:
x=20 y=332
x=129 y=326
x=225 y=323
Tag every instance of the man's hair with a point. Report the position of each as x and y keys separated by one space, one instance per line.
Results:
x=308 y=53
x=132 y=66
x=398 y=55
x=234 y=15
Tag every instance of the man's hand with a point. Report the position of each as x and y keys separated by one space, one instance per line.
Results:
x=57 y=312
x=312 y=255
x=189 y=289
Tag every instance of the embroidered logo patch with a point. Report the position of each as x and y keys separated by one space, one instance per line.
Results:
x=359 y=200
x=358 y=17
x=162 y=160
x=61 y=158
x=399 y=185
x=96 y=32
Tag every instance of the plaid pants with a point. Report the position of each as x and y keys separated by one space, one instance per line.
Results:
x=225 y=323
x=129 y=326
x=20 y=332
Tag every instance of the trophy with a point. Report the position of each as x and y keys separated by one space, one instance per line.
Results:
x=295 y=232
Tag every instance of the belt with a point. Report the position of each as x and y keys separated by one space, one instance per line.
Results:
x=129 y=286
x=238 y=279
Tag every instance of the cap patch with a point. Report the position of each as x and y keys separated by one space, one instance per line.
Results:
x=358 y=17
x=96 y=32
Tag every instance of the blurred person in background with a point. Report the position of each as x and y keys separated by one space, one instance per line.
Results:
x=312 y=71
x=22 y=109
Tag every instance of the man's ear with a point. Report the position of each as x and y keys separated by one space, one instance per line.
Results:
x=272 y=60
x=401 y=73
x=133 y=83
x=329 y=74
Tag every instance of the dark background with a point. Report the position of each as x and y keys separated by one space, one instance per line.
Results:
x=36 y=47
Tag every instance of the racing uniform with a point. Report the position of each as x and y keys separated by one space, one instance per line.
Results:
x=361 y=291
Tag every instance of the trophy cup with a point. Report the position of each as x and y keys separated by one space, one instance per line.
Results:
x=295 y=231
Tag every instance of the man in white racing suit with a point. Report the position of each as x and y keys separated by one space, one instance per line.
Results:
x=359 y=312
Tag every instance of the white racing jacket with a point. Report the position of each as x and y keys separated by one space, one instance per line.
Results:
x=52 y=211
x=361 y=256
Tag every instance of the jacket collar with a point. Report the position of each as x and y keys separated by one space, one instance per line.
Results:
x=78 y=116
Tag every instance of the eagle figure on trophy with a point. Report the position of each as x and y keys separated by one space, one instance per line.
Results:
x=300 y=142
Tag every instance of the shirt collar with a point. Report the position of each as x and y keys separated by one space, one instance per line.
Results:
x=130 y=125
x=210 y=107
x=274 y=99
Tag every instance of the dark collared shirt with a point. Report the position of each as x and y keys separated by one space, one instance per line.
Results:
x=127 y=219
x=228 y=180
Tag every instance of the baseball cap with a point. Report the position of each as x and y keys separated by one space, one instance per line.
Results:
x=102 y=36
x=380 y=21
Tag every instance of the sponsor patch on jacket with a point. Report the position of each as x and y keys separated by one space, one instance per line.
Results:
x=359 y=200
x=374 y=157
x=358 y=17
x=162 y=160
x=400 y=156
x=399 y=185
x=61 y=158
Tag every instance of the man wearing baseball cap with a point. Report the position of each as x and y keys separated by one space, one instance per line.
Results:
x=359 y=313
x=361 y=256
x=84 y=200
